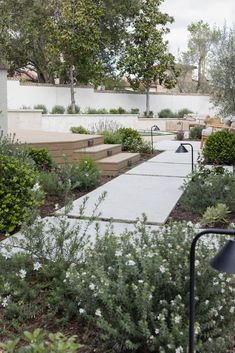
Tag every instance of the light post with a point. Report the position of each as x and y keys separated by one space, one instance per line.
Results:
x=182 y=149
x=224 y=262
x=153 y=128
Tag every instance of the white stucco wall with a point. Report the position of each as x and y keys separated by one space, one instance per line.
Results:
x=3 y=101
x=30 y=95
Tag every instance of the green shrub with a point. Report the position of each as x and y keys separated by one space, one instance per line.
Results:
x=13 y=148
x=112 y=137
x=220 y=148
x=58 y=109
x=215 y=216
x=181 y=113
x=39 y=341
x=42 y=158
x=96 y=111
x=69 y=109
x=150 y=115
x=208 y=188
x=196 y=132
x=132 y=141
x=166 y=114
x=53 y=184
x=79 y=130
x=20 y=193
x=119 y=110
x=41 y=107
x=88 y=174
x=130 y=292
x=135 y=111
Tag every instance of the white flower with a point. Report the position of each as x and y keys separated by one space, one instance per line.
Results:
x=151 y=338
x=36 y=187
x=189 y=224
x=156 y=331
x=118 y=253
x=57 y=206
x=22 y=274
x=177 y=319
x=5 y=301
x=86 y=174
x=36 y=266
x=92 y=286
x=130 y=263
x=82 y=311
x=98 y=313
x=179 y=350
x=232 y=310
x=140 y=281
x=207 y=302
x=162 y=269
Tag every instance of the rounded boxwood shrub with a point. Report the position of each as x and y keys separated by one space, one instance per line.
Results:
x=196 y=132
x=41 y=107
x=220 y=148
x=42 y=158
x=166 y=114
x=19 y=193
x=69 y=109
x=58 y=109
x=79 y=130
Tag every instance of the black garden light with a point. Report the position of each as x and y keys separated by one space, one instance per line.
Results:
x=224 y=261
x=182 y=149
x=153 y=128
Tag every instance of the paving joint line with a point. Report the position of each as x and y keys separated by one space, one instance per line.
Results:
x=113 y=220
x=157 y=175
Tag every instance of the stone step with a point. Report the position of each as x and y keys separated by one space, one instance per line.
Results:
x=114 y=164
x=98 y=151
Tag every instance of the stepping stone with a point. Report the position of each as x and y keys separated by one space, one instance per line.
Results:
x=129 y=196
x=161 y=169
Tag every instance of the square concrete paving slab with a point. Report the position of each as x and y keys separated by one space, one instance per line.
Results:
x=129 y=196
x=172 y=157
x=161 y=169
x=173 y=145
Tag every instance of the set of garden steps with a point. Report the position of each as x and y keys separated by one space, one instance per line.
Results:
x=72 y=147
x=109 y=157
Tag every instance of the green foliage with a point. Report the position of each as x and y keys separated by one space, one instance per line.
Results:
x=70 y=111
x=126 y=288
x=39 y=341
x=145 y=57
x=135 y=111
x=215 y=216
x=196 y=132
x=58 y=109
x=41 y=158
x=112 y=137
x=222 y=72
x=89 y=175
x=96 y=111
x=220 y=148
x=41 y=107
x=79 y=130
x=182 y=112
x=11 y=147
x=166 y=114
x=148 y=115
x=20 y=193
x=208 y=188
x=119 y=110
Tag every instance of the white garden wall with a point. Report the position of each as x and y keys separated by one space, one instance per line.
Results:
x=20 y=95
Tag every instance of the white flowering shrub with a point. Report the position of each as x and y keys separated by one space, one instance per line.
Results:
x=131 y=292
x=207 y=188
x=135 y=288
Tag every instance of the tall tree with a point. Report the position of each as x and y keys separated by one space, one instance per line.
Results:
x=145 y=58
x=201 y=41
x=222 y=73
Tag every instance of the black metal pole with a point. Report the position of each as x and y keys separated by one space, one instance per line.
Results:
x=192 y=161
x=192 y=281
x=152 y=137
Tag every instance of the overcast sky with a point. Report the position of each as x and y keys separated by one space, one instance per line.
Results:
x=215 y=12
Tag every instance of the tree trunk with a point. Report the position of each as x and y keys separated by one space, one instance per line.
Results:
x=199 y=83
x=72 y=91
x=147 y=101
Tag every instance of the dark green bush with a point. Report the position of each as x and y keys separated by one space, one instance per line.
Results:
x=42 y=158
x=112 y=137
x=96 y=111
x=208 y=188
x=135 y=110
x=196 y=132
x=41 y=107
x=119 y=110
x=69 y=109
x=181 y=113
x=79 y=130
x=58 y=109
x=150 y=115
x=220 y=148
x=88 y=174
x=166 y=114
x=19 y=193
